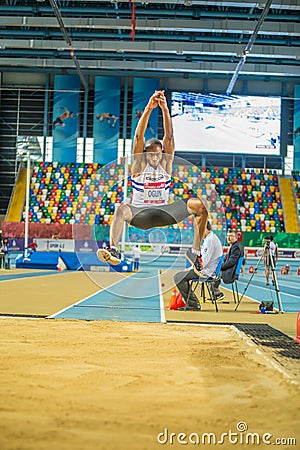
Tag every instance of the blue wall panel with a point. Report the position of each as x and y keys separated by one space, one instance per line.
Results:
x=297 y=128
x=142 y=90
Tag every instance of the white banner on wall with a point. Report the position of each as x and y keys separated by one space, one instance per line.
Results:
x=55 y=245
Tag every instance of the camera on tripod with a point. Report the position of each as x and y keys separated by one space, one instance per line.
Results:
x=266 y=306
x=269 y=256
x=267 y=243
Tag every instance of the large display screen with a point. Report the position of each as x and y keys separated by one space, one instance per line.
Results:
x=226 y=123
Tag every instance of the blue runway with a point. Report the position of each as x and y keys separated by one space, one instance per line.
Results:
x=136 y=298
x=289 y=289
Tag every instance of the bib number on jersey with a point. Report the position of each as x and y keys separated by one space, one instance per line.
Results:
x=155 y=192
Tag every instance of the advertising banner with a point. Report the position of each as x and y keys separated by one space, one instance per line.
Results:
x=297 y=128
x=65 y=117
x=86 y=246
x=106 y=119
x=16 y=245
x=55 y=245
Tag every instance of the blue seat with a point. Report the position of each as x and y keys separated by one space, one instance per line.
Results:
x=194 y=283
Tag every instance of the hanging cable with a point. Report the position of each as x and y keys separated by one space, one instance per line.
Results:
x=248 y=47
x=68 y=41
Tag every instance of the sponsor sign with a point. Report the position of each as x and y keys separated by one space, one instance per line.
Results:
x=55 y=245
x=86 y=246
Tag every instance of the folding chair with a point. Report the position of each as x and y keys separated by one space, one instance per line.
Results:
x=194 y=283
x=234 y=285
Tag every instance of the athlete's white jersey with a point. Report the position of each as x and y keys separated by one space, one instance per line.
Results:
x=273 y=248
x=151 y=187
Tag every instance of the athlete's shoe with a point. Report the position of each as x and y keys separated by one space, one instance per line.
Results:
x=109 y=255
x=193 y=305
x=220 y=296
x=193 y=308
x=194 y=260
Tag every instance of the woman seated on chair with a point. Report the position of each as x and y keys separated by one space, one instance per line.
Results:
x=211 y=251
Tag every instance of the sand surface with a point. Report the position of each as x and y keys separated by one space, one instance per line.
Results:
x=78 y=385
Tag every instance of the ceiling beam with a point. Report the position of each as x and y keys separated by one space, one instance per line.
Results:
x=154 y=47
x=161 y=25
x=165 y=66
x=143 y=10
x=280 y=4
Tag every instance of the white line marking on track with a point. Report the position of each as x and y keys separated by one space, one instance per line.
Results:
x=161 y=300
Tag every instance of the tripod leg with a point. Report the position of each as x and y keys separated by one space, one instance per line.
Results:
x=274 y=277
x=239 y=299
x=233 y=291
x=250 y=279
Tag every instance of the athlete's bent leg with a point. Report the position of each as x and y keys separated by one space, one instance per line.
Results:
x=199 y=208
x=112 y=255
x=123 y=214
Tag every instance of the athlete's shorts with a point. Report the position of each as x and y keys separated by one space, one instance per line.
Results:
x=159 y=216
x=268 y=261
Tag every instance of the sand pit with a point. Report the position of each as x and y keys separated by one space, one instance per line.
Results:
x=71 y=385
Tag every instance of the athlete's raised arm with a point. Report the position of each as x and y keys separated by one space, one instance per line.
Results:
x=139 y=136
x=168 y=139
